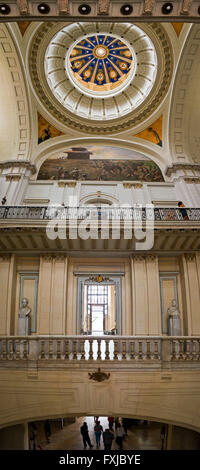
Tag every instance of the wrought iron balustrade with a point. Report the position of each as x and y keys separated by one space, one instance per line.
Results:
x=132 y=349
x=46 y=213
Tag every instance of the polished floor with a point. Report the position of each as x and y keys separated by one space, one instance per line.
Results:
x=140 y=437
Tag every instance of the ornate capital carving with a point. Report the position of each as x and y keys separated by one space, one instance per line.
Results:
x=71 y=185
x=18 y=164
x=13 y=177
x=190 y=257
x=137 y=185
x=139 y=257
x=4 y=258
x=151 y=257
x=62 y=184
x=127 y=185
x=181 y=166
x=192 y=180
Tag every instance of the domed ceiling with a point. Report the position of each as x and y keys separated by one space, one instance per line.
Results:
x=100 y=77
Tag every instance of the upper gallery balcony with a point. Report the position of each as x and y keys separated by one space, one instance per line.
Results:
x=123 y=228
x=132 y=352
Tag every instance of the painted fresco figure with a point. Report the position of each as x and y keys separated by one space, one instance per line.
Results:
x=174 y=322
x=24 y=319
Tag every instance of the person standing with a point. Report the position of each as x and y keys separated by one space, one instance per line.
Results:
x=98 y=430
x=108 y=437
x=47 y=429
x=110 y=422
x=85 y=435
x=119 y=436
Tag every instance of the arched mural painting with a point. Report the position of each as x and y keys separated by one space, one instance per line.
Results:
x=100 y=163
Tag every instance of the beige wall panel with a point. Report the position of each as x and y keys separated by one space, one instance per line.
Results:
x=58 y=297
x=168 y=264
x=44 y=296
x=140 y=296
x=136 y=394
x=194 y=294
x=4 y=280
x=28 y=264
x=153 y=295
x=168 y=296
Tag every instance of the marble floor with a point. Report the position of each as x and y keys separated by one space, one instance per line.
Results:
x=140 y=437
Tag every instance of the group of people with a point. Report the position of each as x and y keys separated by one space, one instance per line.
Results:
x=108 y=435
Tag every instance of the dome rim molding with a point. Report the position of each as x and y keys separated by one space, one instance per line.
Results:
x=157 y=34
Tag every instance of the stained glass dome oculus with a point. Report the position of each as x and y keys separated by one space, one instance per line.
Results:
x=101 y=72
x=101 y=64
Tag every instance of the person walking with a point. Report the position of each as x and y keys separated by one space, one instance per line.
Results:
x=108 y=437
x=110 y=422
x=119 y=436
x=98 y=431
x=85 y=435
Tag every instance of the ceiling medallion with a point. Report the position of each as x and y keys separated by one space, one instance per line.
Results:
x=100 y=64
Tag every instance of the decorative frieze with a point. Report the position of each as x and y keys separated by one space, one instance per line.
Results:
x=148 y=7
x=103 y=7
x=23 y=7
x=63 y=7
x=181 y=166
x=186 y=7
x=18 y=164
x=190 y=257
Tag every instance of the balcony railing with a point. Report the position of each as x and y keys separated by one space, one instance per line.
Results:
x=132 y=349
x=67 y=213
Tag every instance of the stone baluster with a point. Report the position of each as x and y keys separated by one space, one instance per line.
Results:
x=50 y=349
x=66 y=349
x=46 y=349
x=42 y=349
x=107 y=352
x=181 y=349
x=25 y=349
x=140 y=351
x=148 y=349
x=17 y=349
x=132 y=349
x=58 y=349
x=10 y=349
x=74 y=350
x=156 y=349
x=54 y=349
x=62 y=349
x=98 y=349
x=90 y=349
x=144 y=349
x=188 y=352
x=123 y=343
x=116 y=350
x=82 y=349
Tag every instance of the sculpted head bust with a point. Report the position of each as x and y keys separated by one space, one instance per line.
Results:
x=24 y=310
x=173 y=309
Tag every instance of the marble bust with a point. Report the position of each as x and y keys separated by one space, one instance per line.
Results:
x=174 y=322
x=24 y=319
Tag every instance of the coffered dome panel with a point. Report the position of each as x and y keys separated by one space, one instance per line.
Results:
x=89 y=73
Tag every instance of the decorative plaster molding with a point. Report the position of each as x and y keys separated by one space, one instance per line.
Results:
x=4 y=258
x=13 y=177
x=62 y=184
x=18 y=164
x=63 y=7
x=148 y=7
x=186 y=7
x=103 y=7
x=23 y=7
x=137 y=185
x=157 y=35
x=127 y=185
x=19 y=88
x=190 y=257
x=181 y=166
x=98 y=376
x=192 y=180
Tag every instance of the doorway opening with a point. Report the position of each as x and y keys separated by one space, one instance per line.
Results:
x=99 y=309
